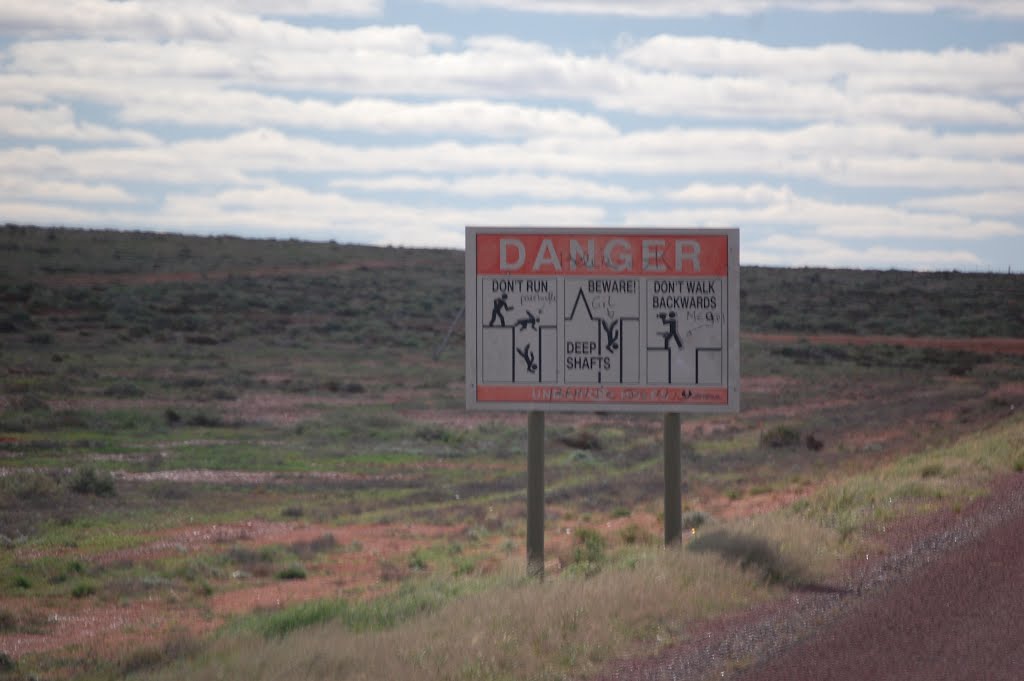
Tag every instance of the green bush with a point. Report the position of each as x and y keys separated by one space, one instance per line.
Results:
x=292 y=572
x=83 y=590
x=588 y=555
x=634 y=534
x=749 y=552
x=417 y=561
x=26 y=486
x=29 y=403
x=8 y=622
x=88 y=480
x=692 y=520
x=780 y=436
x=124 y=390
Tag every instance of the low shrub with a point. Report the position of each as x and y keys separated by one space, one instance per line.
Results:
x=308 y=549
x=29 y=403
x=634 y=534
x=750 y=552
x=124 y=390
x=179 y=644
x=581 y=440
x=418 y=561
x=26 y=486
x=292 y=572
x=88 y=480
x=693 y=520
x=780 y=436
x=83 y=590
x=588 y=555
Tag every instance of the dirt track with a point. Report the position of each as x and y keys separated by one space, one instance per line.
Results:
x=959 y=617
x=946 y=603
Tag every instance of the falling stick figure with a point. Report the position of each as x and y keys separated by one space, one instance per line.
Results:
x=528 y=357
x=499 y=305
x=529 y=321
x=612 y=342
x=671 y=322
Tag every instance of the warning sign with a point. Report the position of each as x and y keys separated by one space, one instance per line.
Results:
x=593 y=319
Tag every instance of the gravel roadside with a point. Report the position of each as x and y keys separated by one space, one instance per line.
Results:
x=943 y=602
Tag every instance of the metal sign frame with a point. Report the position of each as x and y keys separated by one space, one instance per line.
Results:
x=602 y=319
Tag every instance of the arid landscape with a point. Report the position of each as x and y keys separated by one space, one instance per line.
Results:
x=225 y=458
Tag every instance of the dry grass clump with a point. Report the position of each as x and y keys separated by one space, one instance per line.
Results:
x=947 y=475
x=517 y=630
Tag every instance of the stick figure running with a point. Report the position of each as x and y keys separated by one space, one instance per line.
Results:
x=673 y=332
x=499 y=305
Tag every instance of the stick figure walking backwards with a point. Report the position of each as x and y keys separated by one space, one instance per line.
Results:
x=673 y=333
x=499 y=305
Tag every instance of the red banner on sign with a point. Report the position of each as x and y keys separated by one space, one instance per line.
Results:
x=603 y=394
x=589 y=254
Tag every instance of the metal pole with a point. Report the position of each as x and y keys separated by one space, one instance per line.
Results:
x=535 y=495
x=673 y=481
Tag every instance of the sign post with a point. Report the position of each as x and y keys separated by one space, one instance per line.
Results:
x=535 y=495
x=600 y=319
x=673 y=481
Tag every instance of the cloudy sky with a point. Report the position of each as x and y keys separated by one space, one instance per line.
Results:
x=863 y=133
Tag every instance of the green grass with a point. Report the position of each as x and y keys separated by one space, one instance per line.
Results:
x=127 y=373
x=412 y=599
x=582 y=619
x=950 y=474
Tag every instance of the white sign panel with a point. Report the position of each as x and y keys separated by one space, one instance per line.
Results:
x=602 y=320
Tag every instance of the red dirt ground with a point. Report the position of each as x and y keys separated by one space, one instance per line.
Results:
x=115 y=628
x=218 y=275
x=112 y=627
x=985 y=346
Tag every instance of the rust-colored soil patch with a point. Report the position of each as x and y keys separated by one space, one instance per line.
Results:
x=986 y=346
x=354 y=568
x=143 y=278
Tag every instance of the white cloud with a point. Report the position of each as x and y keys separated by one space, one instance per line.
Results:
x=781 y=208
x=276 y=208
x=59 y=123
x=789 y=250
x=41 y=189
x=1006 y=203
x=47 y=214
x=182 y=22
x=699 y=8
x=548 y=187
x=325 y=8
x=241 y=109
x=700 y=192
x=237 y=118
x=993 y=72
x=844 y=156
x=839 y=83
